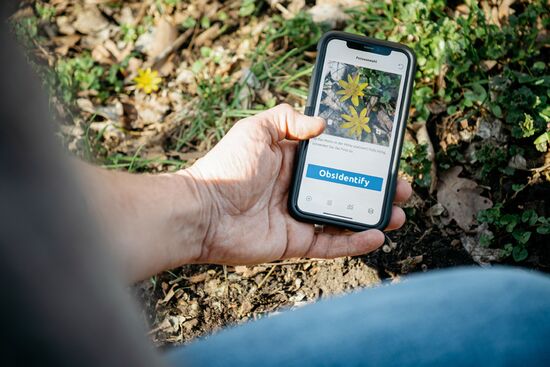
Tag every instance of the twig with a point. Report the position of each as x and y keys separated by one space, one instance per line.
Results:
x=293 y=262
x=266 y=276
x=157 y=61
x=424 y=235
x=540 y=169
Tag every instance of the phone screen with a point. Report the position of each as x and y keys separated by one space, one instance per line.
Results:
x=347 y=167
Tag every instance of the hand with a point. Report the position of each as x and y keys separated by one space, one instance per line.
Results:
x=245 y=180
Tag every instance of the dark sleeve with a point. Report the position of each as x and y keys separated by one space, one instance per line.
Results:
x=62 y=303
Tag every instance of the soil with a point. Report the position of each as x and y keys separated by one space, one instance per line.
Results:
x=198 y=300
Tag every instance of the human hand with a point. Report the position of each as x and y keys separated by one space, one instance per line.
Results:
x=243 y=183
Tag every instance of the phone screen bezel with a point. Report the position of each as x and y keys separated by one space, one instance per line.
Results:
x=396 y=148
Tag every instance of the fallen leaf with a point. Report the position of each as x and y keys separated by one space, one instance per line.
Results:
x=330 y=14
x=64 y=43
x=90 y=20
x=481 y=255
x=168 y=296
x=504 y=9
x=198 y=278
x=435 y=210
x=247 y=272
x=206 y=37
x=518 y=162
x=461 y=197
x=164 y=34
x=486 y=129
x=65 y=25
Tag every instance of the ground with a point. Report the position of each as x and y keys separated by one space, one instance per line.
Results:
x=152 y=85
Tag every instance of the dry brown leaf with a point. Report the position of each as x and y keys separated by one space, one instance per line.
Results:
x=328 y=13
x=198 y=278
x=296 y=5
x=248 y=272
x=461 y=197
x=101 y=55
x=65 y=25
x=481 y=255
x=150 y=109
x=504 y=9
x=206 y=37
x=168 y=296
x=90 y=20
x=164 y=34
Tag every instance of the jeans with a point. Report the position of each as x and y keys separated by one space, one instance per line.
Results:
x=459 y=317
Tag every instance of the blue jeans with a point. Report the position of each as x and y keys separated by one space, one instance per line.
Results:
x=460 y=317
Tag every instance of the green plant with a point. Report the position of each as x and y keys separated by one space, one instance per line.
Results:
x=45 y=11
x=247 y=8
x=78 y=74
x=415 y=163
x=515 y=229
x=83 y=73
x=129 y=32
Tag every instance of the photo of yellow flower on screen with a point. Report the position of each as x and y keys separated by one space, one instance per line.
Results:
x=359 y=103
x=352 y=89
x=356 y=122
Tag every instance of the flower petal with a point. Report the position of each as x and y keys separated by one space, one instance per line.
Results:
x=346 y=117
x=347 y=125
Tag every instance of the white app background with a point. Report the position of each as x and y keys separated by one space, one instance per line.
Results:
x=362 y=153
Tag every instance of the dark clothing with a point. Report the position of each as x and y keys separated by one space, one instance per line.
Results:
x=62 y=303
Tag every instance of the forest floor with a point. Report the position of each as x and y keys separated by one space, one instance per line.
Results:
x=476 y=149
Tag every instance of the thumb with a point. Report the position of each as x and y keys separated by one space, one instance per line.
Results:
x=283 y=122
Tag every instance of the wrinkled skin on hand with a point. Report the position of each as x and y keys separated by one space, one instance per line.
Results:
x=245 y=180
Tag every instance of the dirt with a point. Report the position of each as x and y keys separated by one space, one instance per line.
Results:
x=198 y=300
x=201 y=299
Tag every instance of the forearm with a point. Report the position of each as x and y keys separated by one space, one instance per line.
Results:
x=153 y=222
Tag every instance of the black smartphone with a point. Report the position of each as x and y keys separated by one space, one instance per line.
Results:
x=346 y=177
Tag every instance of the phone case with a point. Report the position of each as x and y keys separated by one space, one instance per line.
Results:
x=315 y=84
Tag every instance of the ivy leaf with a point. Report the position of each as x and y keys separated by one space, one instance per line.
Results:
x=527 y=126
x=519 y=253
x=522 y=236
x=541 y=143
x=461 y=197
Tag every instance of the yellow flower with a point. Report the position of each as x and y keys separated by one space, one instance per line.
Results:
x=147 y=80
x=356 y=123
x=352 y=89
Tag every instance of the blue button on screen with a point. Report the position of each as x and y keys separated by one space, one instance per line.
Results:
x=344 y=177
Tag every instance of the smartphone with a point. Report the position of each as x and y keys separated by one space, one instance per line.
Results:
x=346 y=177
